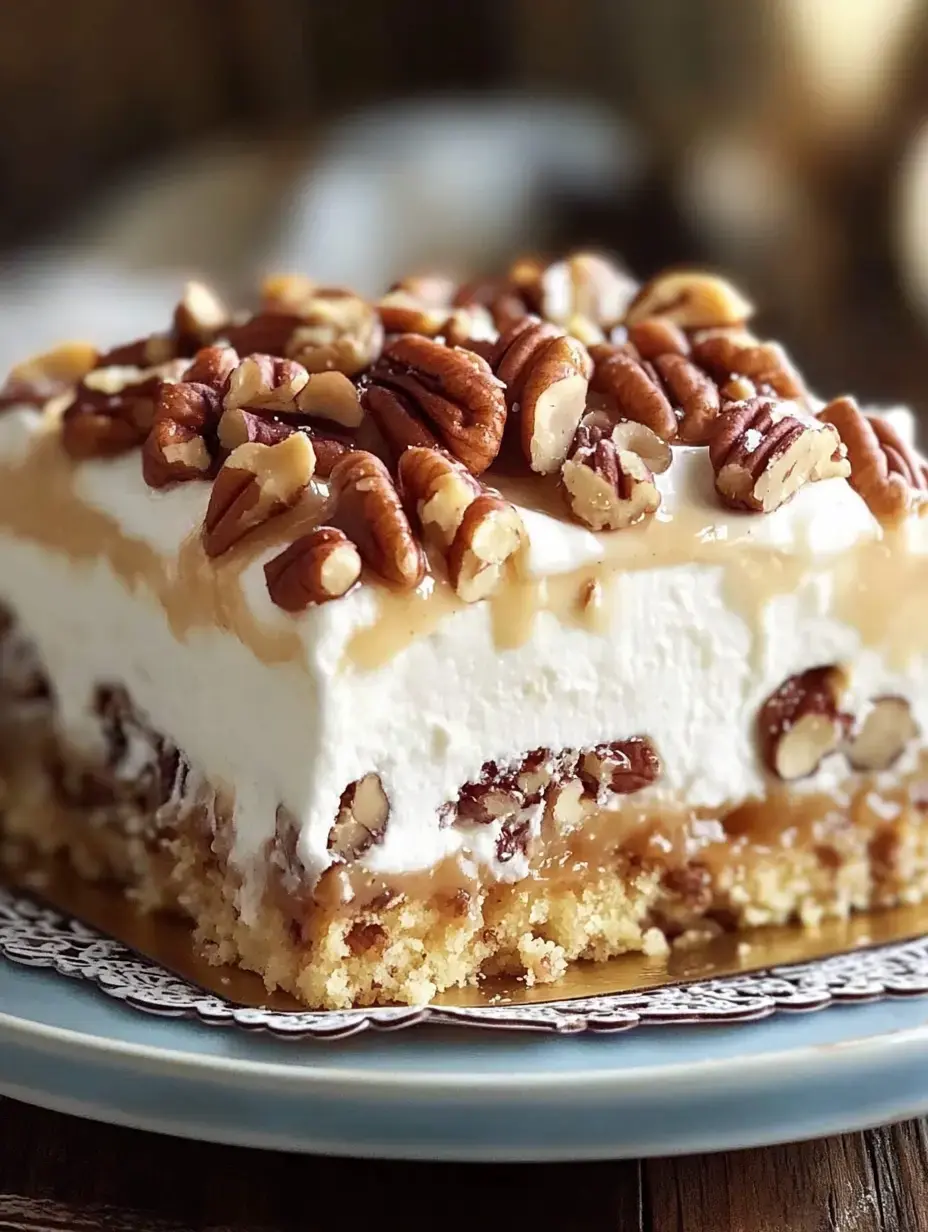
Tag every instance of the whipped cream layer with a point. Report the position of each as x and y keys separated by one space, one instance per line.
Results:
x=688 y=626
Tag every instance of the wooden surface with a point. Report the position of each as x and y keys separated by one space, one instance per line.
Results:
x=64 y=1174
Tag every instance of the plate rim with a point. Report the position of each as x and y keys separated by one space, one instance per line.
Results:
x=852 y=1052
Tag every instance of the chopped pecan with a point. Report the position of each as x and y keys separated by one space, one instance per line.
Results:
x=417 y=306
x=111 y=412
x=547 y=377
x=498 y=296
x=801 y=722
x=212 y=365
x=690 y=299
x=881 y=739
x=489 y=536
x=332 y=396
x=740 y=363
x=439 y=489
x=452 y=390
x=142 y=353
x=337 y=331
x=621 y=767
x=239 y=427
x=884 y=471
x=607 y=487
x=180 y=444
x=472 y=328
x=663 y=389
x=584 y=287
x=199 y=317
x=315 y=568
x=368 y=508
x=42 y=377
x=255 y=484
x=265 y=383
x=363 y=813
x=636 y=437
x=764 y=451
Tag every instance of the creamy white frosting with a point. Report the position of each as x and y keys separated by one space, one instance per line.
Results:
x=678 y=663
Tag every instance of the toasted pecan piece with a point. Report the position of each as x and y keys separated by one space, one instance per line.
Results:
x=802 y=722
x=691 y=299
x=489 y=536
x=423 y=392
x=606 y=483
x=547 y=375
x=367 y=507
x=316 y=568
x=764 y=451
x=884 y=471
x=36 y=380
x=883 y=736
x=256 y=483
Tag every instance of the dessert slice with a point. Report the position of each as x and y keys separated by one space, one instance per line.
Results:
x=480 y=630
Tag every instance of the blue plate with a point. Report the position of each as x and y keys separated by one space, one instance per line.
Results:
x=432 y=1092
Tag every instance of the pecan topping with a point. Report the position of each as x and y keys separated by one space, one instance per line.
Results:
x=490 y=534
x=690 y=299
x=585 y=287
x=212 y=365
x=744 y=367
x=199 y=317
x=801 y=723
x=547 y=376
x=238 y=427
x=608 y=485
x=439 y=488
x=111 y=412
x=622 y=767
x=884 y=471
x=255 y=484
x=337 y=331
x=179 y=445
x=265 y=383
x=653 y=380
x=368 y=508
x=362 y=818
x=332 y=396
x=38 y=379
x=763 y=452
x=315 y=568
x=452 y=390
x=882 y=737
x=498 y=296
x=417 y=305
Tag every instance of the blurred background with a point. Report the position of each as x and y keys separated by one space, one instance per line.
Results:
x=785 y=141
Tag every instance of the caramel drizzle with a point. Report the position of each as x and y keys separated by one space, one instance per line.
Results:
x=879 y=589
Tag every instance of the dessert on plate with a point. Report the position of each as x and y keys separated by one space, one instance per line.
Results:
x=478 y=630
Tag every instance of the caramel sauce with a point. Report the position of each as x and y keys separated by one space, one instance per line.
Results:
x=879 y=588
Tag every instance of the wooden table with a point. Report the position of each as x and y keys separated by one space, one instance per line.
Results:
x=64 y=1174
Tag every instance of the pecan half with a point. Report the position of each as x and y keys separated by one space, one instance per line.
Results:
x=41 y=377
x=315 y=568
x=362 y=818
x=547 y=377
x=179 y=446
x=255 y=484
x=368 y=508
x=801 y=722
x=653 y=379
x=490 y=535
x=621 y=767
x=422 y=391
x=111 y=412
x=439 y=489
x=690 y=299
x=744 y=367
x=608 y=487
x=763 y=452
x=884 y=471
x=882 y=737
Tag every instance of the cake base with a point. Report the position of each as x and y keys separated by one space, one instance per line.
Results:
x=407 y=941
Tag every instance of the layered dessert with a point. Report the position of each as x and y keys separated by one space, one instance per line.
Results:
x=479 y=630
